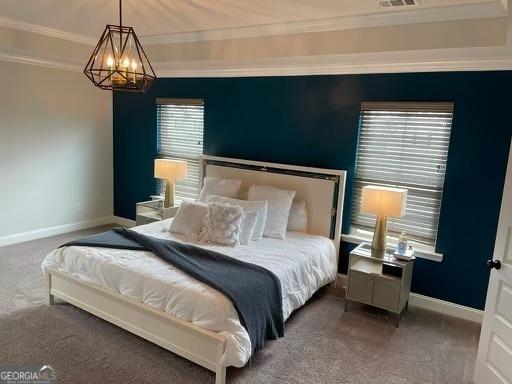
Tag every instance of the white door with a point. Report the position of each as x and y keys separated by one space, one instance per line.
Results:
x=494 y=359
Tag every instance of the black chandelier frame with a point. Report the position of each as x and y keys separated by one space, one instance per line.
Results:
x=117 y=76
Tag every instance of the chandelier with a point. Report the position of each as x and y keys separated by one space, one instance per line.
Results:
x=119 y=62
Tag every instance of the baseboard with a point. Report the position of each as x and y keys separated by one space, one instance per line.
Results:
x=433 y=304
x=123 y=221
x=52 y=231
x=446 y=307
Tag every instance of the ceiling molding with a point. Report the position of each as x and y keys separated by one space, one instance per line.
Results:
x=435 y=60
x=17 y=57
x=480 y=59
x=45 y=31
x=418 y=15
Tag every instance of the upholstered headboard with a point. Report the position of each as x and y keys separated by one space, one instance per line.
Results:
x=322 y=189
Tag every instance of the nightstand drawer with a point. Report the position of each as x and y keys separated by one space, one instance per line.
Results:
x=386 y=293
x=360 y=286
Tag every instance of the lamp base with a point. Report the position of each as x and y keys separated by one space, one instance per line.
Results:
x=379 y=234
x=169 y=194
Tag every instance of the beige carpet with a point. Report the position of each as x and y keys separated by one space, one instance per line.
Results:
x=322 y=343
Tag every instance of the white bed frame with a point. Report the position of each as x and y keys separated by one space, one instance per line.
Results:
x=323 y=190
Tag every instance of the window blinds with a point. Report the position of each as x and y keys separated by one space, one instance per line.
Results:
x=404 y=145
x=180 y=125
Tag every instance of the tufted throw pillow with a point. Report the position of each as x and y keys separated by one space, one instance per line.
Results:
x=222 y=224
x=247 y=206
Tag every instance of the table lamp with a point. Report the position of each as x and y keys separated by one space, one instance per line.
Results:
x=384 y=202
x=170 y=170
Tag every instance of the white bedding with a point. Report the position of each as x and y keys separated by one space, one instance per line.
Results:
x=303 y=263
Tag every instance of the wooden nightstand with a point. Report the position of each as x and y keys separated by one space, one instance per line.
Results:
x=379 y=280
x=154 y=210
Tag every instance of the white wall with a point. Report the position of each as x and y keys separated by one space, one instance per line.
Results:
x=55 y=151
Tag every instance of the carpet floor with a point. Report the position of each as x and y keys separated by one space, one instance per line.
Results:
x=322 y=343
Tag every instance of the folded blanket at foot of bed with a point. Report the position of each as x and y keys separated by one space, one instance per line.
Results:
x=254 y=291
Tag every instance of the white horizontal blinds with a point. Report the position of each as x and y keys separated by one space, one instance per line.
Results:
x=404 y=145
x=180 y=136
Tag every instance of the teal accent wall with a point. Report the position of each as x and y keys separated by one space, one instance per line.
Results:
x=313 y=121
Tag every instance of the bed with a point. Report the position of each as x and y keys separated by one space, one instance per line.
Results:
x=146 y=296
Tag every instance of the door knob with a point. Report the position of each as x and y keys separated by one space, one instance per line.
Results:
x=494 y=264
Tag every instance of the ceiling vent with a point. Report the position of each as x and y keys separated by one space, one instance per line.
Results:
x=397 y=3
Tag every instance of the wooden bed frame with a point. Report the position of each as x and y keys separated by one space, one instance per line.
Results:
x=323 y=190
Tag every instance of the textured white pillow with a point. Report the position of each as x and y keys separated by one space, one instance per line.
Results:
x=220 y=187
x=278 y=209
x=258 y=206
x=222 y=224
x=247 y=226
x=189 y=218
x=298 y=219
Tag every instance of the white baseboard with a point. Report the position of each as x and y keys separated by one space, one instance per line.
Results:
x=123 y=221
x=65 y=228
x=433 y=304
x=446 y=307
x=52 y=231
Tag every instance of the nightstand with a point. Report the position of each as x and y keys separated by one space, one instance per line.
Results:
x=378 y=279
x=154 y=210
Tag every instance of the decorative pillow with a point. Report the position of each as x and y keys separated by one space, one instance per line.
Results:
x=258 y=206
x=278 y=209
x=298 y=218
x=189 y=219
x=222 y=224
x=220 y=187
x=247 y=226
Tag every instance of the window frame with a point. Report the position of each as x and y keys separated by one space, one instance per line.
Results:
x=360 y=232
x=192 y=161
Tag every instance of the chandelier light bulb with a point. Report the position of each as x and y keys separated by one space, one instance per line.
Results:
x=110 y=61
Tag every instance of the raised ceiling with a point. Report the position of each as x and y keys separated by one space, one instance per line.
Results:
x=163 y=17
x=267 y=37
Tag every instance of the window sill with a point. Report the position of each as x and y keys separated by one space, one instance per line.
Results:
x=420 y=250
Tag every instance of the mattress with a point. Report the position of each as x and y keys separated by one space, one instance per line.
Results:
x=303 y=263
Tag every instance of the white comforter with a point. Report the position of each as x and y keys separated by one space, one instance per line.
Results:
x=303 y=263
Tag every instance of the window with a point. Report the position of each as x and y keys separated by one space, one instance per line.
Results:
x=404 y=145
x=180 y=125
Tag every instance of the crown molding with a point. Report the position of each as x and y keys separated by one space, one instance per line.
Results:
x=417 y=15
x=46 y=31
x=442 y=60
x=18 y=57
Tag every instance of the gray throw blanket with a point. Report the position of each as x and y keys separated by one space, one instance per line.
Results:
x=254 y=291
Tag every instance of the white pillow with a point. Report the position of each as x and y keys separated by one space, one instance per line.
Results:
x=220 y=187
x=247 y=226
x=298 y=219
x=278 y=209
x=189 y=218
x=222 y=224
x=258 y=206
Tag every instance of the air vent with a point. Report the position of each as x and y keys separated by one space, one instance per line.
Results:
x=397 y=3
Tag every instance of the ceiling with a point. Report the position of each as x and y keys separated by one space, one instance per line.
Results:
x=163 y=17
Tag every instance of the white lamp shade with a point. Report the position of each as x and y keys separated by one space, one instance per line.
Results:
x=384 y=201
x=170 y=169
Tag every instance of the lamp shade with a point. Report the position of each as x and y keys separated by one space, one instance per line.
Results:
x=384 y=201
x=171 y=170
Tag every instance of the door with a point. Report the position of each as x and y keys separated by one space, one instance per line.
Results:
x=494 y=359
